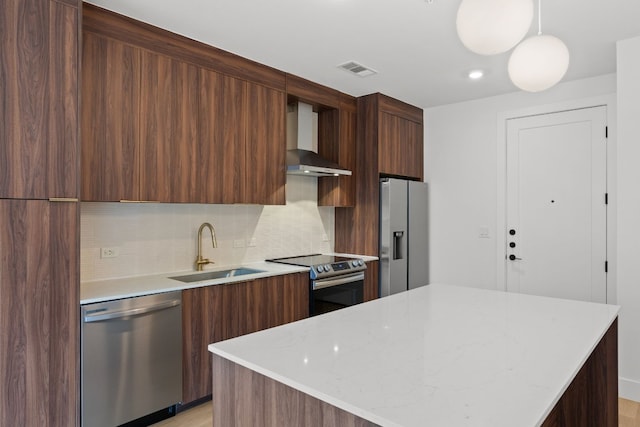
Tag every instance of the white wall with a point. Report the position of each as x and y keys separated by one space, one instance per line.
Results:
x=461 y=165
x=158 y=238
x=628 y=72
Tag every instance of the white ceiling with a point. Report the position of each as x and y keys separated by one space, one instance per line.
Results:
x=411 y=43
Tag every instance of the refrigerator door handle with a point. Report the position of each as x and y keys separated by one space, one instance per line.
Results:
x=397 y=244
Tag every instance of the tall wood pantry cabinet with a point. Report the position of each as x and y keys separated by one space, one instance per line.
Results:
x=39 y=215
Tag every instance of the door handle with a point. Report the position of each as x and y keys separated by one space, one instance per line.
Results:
x=514 y=258
x=397 y=241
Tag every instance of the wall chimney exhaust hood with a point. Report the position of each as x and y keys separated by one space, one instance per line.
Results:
x=302 y=143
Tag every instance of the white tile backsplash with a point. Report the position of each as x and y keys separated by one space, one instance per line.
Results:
x=157 y=238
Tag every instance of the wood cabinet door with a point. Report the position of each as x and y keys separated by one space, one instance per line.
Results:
x=400 y=146
x=168 y=129
x=209 y=314
x=274 y=301
x=295 y=305
x=337 y=128
x=266 y=146
x=39 y=313
x=220 y=160
x=110 y=106
x=415 y=138
x=371 y=284
x=39 y=108
x=216 y=313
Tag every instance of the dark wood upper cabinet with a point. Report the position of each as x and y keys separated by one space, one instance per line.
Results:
x=266 y=146
x=400 y=150
x=39 y=108
x=168 y=129
x=167 y=125
x=110 y=117
x=222 y=127
x=337 y=142
x=321 y=97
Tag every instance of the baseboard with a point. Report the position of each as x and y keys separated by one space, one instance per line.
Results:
x=629 y=389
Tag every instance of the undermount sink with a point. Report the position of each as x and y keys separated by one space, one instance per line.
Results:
x=210 y=275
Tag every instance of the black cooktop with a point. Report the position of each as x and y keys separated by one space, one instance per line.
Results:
x=310 y=260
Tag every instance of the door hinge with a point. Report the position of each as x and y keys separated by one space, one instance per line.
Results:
x=606 y=131
x=606 y=266
x=606 y=198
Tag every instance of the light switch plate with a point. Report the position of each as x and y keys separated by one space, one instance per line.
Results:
x=252 y=242
x=238 y=243
x=483 y=233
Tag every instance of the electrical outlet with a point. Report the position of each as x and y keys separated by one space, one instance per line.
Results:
x=238 y=243
x=252 y=242
x=111 y=252
x=483 y=233
x=325 y=238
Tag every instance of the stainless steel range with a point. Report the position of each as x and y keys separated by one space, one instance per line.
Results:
x=335 y=282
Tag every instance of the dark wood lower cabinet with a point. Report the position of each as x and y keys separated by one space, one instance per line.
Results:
x=39 y=313
x=371 y=285
x=215 y=313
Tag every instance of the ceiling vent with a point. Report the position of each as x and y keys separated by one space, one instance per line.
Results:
x=357 y=69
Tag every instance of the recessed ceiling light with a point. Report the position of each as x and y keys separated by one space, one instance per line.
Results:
x=476 y=74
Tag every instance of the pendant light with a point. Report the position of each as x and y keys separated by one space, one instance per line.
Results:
x=539 y=62
x=489 y=27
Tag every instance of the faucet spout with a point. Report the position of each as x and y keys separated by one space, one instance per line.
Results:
x=200 y=262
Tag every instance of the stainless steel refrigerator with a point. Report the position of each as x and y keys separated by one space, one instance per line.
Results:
x=403 y=235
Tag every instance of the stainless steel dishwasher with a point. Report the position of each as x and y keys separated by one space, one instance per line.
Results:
x=131 y=358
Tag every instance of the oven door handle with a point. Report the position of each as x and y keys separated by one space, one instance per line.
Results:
x=325 y=283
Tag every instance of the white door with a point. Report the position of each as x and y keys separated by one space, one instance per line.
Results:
x=556 y=211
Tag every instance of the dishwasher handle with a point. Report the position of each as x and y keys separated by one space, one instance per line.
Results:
x=100 y=316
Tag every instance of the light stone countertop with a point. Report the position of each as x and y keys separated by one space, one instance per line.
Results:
x=127 y=287
x=105 y=290
x=436 y=356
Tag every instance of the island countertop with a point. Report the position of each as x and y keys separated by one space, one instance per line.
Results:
x=438 y=355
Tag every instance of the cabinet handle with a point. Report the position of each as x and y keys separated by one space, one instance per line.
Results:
x=63 y=199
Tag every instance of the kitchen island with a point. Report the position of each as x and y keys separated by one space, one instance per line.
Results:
x=434 y=356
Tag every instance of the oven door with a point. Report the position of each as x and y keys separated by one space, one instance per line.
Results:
x=334 y=293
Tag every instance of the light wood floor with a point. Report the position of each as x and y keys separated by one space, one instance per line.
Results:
x=629 y=413
x=200 y=416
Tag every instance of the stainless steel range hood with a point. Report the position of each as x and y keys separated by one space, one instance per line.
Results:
x=302 y=143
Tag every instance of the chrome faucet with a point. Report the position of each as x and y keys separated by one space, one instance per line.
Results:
x=200 y=262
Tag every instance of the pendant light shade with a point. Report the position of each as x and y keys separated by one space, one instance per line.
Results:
x=489 y=27
x=538 y=63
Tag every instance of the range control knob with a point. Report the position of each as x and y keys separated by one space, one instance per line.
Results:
x=320 y=269
x=360 y=262
x=354 y=263
x=327 y=267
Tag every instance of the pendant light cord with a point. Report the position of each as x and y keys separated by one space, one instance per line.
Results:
x=539 y=17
